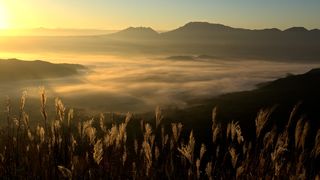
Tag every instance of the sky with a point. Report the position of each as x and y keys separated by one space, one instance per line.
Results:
x=160 y=14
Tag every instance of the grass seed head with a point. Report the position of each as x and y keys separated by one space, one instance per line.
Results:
x=98 y=151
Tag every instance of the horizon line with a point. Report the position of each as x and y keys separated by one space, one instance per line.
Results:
x=137 y=26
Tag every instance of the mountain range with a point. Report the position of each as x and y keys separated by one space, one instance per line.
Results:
x=220 y=40
x=204 y=30
x=296 y=44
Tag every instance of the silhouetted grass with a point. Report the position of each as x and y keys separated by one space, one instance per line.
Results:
x=68 y=148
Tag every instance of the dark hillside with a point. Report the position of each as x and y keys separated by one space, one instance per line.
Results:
x=17 y=70
x=283 y=94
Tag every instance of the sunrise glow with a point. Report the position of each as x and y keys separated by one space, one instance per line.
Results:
x=3 y=17
x=160 y=15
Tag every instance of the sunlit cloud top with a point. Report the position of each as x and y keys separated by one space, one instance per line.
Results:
x=161 y=15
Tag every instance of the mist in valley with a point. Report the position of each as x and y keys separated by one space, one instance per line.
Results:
x=139 y=84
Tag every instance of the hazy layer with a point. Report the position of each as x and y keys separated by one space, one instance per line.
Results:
x=140 y=83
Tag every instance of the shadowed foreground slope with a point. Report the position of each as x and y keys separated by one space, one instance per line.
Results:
x=282 y=94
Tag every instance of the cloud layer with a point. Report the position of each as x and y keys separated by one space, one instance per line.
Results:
x=140 y=84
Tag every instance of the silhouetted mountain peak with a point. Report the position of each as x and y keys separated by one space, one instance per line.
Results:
x=271 y=30
x=204 y=26
x=139 y=29
x=136 y=32
x=202 y=30
x=296 y=29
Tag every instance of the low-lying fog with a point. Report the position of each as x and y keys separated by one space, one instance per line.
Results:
x=140 y=83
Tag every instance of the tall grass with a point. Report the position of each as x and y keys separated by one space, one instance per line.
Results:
x=65 y=147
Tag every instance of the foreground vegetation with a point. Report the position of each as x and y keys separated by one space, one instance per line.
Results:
x=66 y=147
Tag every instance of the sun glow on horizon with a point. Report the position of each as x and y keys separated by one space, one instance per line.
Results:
x=159 y=15
x=3 y=17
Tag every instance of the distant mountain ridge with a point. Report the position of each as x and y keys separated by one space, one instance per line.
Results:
x=12 y=70
x=218 y=40
x=53 y=32
x=296 y=44
x=136 y=32
x=204 y=27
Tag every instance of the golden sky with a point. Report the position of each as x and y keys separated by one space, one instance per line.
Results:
x=161 y=15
